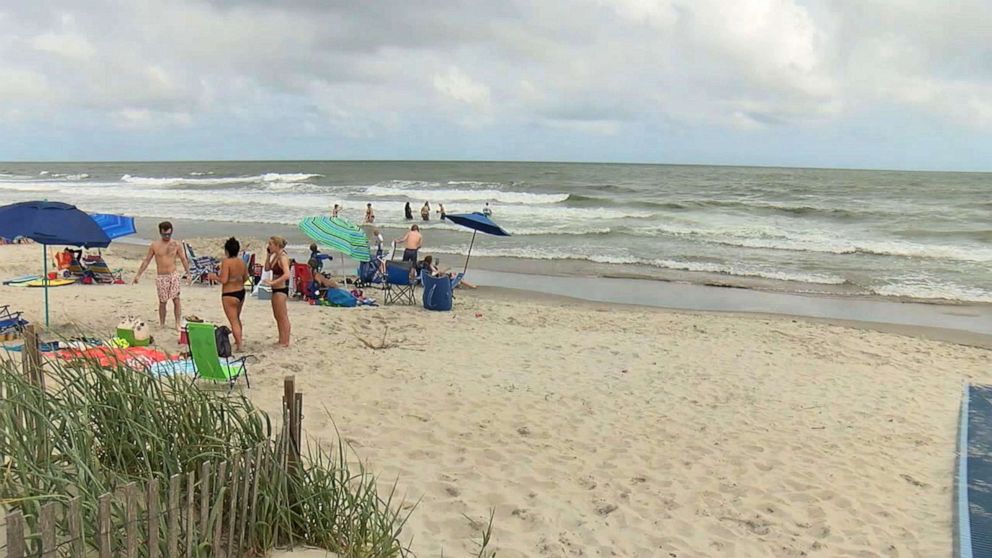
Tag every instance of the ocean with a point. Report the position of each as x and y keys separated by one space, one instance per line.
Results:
x=919 y=235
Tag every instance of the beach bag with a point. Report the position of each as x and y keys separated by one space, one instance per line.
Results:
x=366 y=271
x=437 y=292
x=341 y=297
x=223 y=334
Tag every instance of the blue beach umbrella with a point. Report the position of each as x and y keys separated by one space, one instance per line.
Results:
x=338 y=234
x=115 y=226
x=478 y=223
x=50 y=223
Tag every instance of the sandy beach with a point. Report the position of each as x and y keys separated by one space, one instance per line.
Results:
x=604 y=430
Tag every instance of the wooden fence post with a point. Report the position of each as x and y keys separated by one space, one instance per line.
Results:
x=260 y=456
x=289 y=401
x=31 y=357
x=190 y=508
x=46 y=524
x=151 y=508
x=204 y=494
x=15 y=534
x=232 y=510
x=77 y=544
x=103 y=527
x=298 y=424
x=130 y=520
x=172 y=546
x=219 y=517
x=248 y=469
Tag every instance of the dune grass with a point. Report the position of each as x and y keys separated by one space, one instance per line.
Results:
x=94 y=429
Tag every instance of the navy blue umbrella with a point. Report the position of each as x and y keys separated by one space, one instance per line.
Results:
x=115 y=226
x=51 y=223
x=478 y=223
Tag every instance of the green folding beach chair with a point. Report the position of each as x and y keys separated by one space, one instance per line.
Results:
x=206 y=363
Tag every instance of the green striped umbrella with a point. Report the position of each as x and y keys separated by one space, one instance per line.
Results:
x=338 y=234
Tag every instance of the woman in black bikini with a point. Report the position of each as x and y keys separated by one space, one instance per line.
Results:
x=232 y=277
x=278 y=264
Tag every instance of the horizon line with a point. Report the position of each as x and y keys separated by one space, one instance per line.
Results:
x=510 y=161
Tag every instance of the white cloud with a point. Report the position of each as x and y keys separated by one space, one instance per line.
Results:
x=145 y=119
x=67 y=45
x=460 y=87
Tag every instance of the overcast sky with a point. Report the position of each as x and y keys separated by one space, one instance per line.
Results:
x=859 y=83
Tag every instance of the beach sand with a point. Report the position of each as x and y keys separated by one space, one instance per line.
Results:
x=597 y=430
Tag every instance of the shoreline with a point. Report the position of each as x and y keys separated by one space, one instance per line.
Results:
x=957 y=321
x=190 y=228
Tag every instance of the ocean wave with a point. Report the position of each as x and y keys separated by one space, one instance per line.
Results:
x=738 y=270
x=773 y=238
x=186 y=181
x=445 y=196
x=933 y=290
x=471 y=183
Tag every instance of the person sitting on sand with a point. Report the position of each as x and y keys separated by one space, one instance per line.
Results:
x=369 y=214
x=412 y=241
x=325 y=281
x=425 y=212
x=232 y=277
x=165 y=250
x=431 y=267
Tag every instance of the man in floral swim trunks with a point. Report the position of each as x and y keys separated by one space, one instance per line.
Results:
x=165 y=250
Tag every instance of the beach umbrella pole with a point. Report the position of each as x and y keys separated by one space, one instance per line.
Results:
x=469 y=251
x=44 y=257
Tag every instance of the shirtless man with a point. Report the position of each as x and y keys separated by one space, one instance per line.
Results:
x=412 y=241
x=165 y=251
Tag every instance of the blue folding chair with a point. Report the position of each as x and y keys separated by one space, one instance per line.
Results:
x=399 y=287
x=11 y=322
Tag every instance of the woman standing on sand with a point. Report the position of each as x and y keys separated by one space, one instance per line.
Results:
x=408 y=212
x=278 y=263
x=232 y=277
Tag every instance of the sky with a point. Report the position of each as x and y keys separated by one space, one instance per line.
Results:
x=904 y=84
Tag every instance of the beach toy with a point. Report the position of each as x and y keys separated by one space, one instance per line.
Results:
x=119 y=343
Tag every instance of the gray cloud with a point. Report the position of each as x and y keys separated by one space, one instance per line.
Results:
x=366 y=68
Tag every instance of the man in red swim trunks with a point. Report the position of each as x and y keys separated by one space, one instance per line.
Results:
x=165 y=250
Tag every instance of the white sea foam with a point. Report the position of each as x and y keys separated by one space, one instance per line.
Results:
x=445 y=196
x=933 y=290
x=739 y=270
x=812 y=240
x=257 y=179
